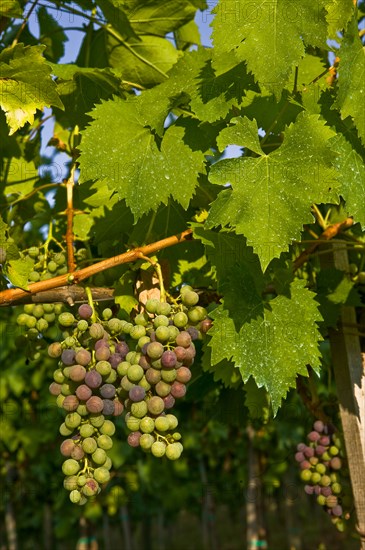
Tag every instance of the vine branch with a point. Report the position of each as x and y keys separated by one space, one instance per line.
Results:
x=12 y=295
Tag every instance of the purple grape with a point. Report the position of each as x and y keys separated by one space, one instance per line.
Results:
x=83 y=392
x=325 y=440
x=169 y=401
x=318 y=426
x=301 y=447
x=326 y=491
x=305 y=465
x=194 y=333
x=115 y=359
x=153 y=375
x=320 y=450
x=313 y=436
x=94 y=404
x=144 y=362
x=183 y=339
x=336 y=463
x=107 y=391
x=108 y=406
x=118 y=408
x=190 y=353
x=68 y=356
x=133 y=439
x=180 y=353
x=308 y=452
x=77 y=453
x=299 y=457
x=178 y=390
x=55 y=389
x=85 y=311
x=137 y=393
x=102 y=353
x=77 y=373
x=309 y=489
x=317 y=490
x=205 y=325
x=93 y=379
x=83 y=357
x=183 y=375
x=168 y=359
x=122 y=348
x=70 y=403
x=337 y=511
x=101 y=343
x=67 y=447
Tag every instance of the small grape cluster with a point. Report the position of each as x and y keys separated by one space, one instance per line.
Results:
x=107 y=366
x=38 y=318
x=320 y=462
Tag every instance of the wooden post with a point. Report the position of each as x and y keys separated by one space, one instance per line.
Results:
x=349 y=369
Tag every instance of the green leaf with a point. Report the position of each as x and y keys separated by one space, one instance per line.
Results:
x=243 y=131
x=187 y=35
x=144 y=61
x=18 y=271
x=21 y=177
x=339 y=13
x=256 y=399
x=351 y=175
x=119 y=148
x=271 y=195
x=269 y=36
x=113 y=11
x=224 y=337
x=276 y=348
x=25 y=84
x=11 y=8
x=335 y=289
x=52 y=35
x=159 y=17
x=351 y=79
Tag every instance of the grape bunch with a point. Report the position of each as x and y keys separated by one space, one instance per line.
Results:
x=38 y=318
x=321 y=463
x=107 y=366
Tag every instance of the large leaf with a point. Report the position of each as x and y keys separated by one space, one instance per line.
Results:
x=51 y=35
x=11 y=8
x=351 y=79
x=271 y=195
x=338 y=15
x=274 y=348
x=118 y=147
x=25 y=84
x=269 y=36
x=159 y=17
x=351 y=175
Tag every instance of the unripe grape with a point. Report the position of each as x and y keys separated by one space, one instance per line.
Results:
x=158 y=449
x=85 y=311
x=168 y=375
x=86 y=430
x=183 y=339
x=162 y=334
x=162 y=388
x=147 y=425
x=97 y=420
x=135 y=373
x=75 y=496
x=190 y=298
x=102 y=353
x=70 y=403
x=73 y=420
x=173 y=451
x=94 y=404
x=108 y=428
x=77 y=453
x=66 y=319
x=67 y=447
x=162 y=424
x=180 y=320
x=70 y=483
x=101 y=475
x=146 y=440
x=105 y=442
x=90 y=488
x=70 y=467
x=96 y=331
x=151 y=305
x=134 y=438
x=99 y=456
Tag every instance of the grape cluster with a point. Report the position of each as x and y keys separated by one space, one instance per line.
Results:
x=38 y=318
x=321 y=462
x=107 y=366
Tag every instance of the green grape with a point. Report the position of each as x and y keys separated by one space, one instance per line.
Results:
x=162 y=424
x=38 y=311
x=173 y=451
x=90 y=488
x=141 y=319
x=139 y=410
x=133 y=357
x=111 y=378
x=107 y=314
x=75 y=496
x=52 y=266
x=99 y=456
x=122 y=368
x=320 y=468
x=22 y=319
x=108 y=463
x=81 y=480
x=147 y=425
x=33 y=334
x=180 y=319
x=33 y=252
x=86 y=430
x=108 y=428
x=114 y=325
x=97 y=420
x=155 y=405
x=161 y=321
x=28 y=308
x=186 y=288
x=34 y=276
x=89 y=445
x=315 y=478
x=133 y=423
x=82 y=325
x=173 y=421
x=105 y=442
x=321 y=499
x=135 y=373
x=143 y=340
x=64 y=430
x=306 y=475
x=59 y=401
x=158 y=449
x=146 y=441
x=70 y=467
x=102 y=475
x=59 y=258
x=66 y=319
x=190 y=298
x=73 y=420
x=163 y=308
x=176 y=436
x=151 y=305
x=173 y=332
x=103 y=367
x=162 y=334
x=42 y=325
x=70 y=483
x=168 y=375
x=49 y=317
x=336 y=488
x=137 y=332
x=144 y=384
x=197 y=314
x=31 y=322
x=333 y=450
x=325 y=481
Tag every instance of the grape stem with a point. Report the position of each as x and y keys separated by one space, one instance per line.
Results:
x=12 y=295
x=91 y=303
x=158 y=270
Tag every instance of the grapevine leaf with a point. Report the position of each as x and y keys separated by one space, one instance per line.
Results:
x=21 y=177
x=269 y=36
x=351 y=175
x=113 y=11
x=159 y=17
x=52 y=35
x=18 y=271
x=335 y=289
x=256 y=399
x=118 y=147
x=277 y=347
x=187 y=35
x=224 y=337
x=11 y=8
x=25 y=84
x=351 y=79
x=339 y=13
x=271 y=195
x=243 y=131
x=143 y=61
x=222 y=372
